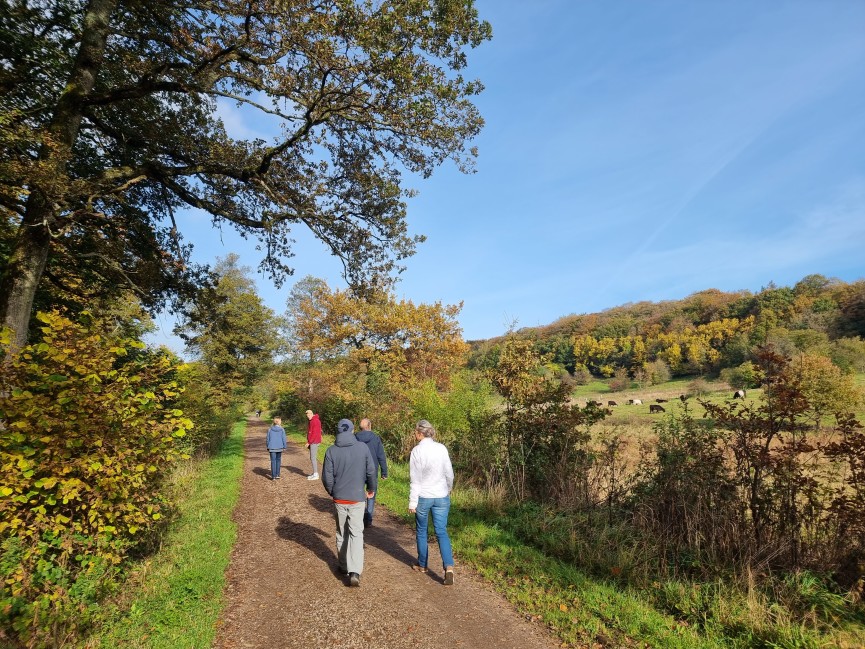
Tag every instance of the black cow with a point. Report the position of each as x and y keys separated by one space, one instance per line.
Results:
x=653 y=408
x=739 y=394
x=683 y=398
x=660 y=401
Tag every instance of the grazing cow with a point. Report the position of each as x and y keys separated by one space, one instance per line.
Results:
x=683 y=398
x=635 y=402
x=593 y=403
x=660 y=401
x=612 y=403
x=739 y=394
x=653 y=408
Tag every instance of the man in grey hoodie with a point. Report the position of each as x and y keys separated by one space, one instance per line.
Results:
x=349 y=476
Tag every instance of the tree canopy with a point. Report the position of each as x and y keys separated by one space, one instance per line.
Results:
x=111 y=116
x=230 y=330
x=381 y=333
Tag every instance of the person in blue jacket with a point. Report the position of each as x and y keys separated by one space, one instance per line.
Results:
x=376 y=449
x=276 y=443
x=349 y=477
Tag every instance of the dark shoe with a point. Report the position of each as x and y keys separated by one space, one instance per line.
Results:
x=419 y=568
x=353 y=579
x=449 y=577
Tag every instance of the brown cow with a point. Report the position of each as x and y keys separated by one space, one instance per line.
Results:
x=653 y=408
x=612 y=403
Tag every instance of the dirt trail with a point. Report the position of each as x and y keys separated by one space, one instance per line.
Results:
x=284 y=589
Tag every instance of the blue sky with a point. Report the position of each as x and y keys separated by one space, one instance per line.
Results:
x=638 y=150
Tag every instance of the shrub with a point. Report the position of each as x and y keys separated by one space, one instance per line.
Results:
x=745 y=376
x=848 y=354
x=621 y=381
x=685 y=497
x=658 y=372
x=582 y=376
x=698 y=387
x=89 y=432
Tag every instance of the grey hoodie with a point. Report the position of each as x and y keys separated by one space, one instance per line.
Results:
x=349 y=470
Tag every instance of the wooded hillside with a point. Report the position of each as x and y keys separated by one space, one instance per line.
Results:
x=705 y=332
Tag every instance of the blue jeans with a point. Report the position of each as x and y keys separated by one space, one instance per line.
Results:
x=370 y=508
x=275 y=463
x=439 y=508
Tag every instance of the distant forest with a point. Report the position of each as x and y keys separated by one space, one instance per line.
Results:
x=705 y=333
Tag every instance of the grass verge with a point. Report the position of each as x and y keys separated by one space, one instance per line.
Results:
x=173 y=599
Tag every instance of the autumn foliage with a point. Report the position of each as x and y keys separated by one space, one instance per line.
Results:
x=88 y=433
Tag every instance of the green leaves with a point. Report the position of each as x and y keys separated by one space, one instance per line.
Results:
x=91 y=433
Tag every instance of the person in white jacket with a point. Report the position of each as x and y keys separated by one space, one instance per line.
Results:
x=431 y=477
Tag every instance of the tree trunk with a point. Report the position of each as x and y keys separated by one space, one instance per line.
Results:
x=24 y=269
x=29 y=255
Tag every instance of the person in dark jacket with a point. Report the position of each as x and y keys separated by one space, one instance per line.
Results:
x=349 y=476
x=376 y=449
x=276 y=444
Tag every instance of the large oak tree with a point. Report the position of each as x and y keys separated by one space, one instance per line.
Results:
x=110 y=122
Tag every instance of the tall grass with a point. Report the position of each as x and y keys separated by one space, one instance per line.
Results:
x=174 y=598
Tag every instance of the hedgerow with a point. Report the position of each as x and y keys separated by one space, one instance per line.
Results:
x=88 y=432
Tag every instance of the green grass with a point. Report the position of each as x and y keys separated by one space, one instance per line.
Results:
x=174 y=598
x=718 y=393
x=581 y=609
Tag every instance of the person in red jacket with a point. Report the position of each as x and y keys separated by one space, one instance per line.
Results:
x=313 y=439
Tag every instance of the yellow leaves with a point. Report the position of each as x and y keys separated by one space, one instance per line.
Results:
x=401 y=339
x=45 y=483
x=81 y=457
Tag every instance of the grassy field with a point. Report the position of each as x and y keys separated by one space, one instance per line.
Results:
x=717 y=392
x=173 y=599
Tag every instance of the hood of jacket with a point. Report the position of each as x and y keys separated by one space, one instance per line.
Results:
x=365 y=436
x=345 y=439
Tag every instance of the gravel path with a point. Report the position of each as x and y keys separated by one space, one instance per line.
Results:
x=284 y=589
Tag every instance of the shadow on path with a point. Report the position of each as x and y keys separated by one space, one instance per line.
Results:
x=321 y=504
x=308 y=536
x=382 y=539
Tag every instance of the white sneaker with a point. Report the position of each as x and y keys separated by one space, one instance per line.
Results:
x=314 y=476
